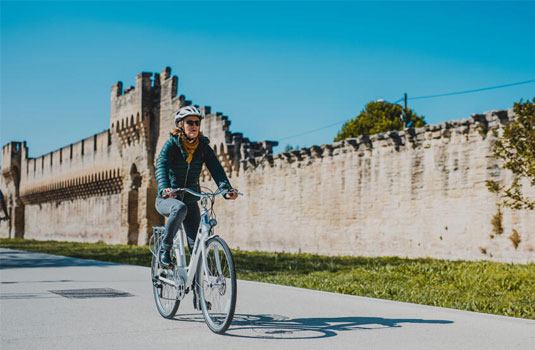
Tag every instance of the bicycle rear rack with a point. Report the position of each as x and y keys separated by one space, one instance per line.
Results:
x=155 y=240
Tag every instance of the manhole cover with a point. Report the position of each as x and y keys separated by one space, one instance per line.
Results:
x=91 y=293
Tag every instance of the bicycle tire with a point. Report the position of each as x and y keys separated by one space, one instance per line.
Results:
x=166 y=302
x=220 y=283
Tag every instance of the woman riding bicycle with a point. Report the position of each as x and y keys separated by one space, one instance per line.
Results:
x=179 y=164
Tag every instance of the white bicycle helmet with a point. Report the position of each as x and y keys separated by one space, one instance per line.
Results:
x=186 y=112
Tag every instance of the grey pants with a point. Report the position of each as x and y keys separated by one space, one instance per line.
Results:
x=178 y=212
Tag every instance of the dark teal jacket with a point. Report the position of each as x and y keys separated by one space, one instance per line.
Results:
x=173 y=171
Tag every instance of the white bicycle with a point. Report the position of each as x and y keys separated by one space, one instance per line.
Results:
x=210 y=273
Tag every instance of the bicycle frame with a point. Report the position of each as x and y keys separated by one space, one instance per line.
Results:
x=188 y=272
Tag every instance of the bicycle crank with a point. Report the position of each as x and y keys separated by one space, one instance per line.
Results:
x=180 y=287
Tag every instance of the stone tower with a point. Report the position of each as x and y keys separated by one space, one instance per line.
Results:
x=11 y=164
x=103 y=187
x=132 y=118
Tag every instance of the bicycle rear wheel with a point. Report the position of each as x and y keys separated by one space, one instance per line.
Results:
x=165 y=295
x=217 y=286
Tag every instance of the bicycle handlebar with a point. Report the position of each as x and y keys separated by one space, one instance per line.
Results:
x=175 y=190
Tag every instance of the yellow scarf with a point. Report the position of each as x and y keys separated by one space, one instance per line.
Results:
x=189 y=147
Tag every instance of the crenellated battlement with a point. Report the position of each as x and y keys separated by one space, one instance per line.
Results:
x=479 y=125
x=132 y=99
x=91 y=152
x=231 y=147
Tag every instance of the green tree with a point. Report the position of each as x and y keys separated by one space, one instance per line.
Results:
x=379 y=117
x=289 y=148
x=516 y=147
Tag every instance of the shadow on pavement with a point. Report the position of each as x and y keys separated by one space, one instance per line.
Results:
x=282 y=327
x=19 y=296
x=14 y=259
x=45 y=281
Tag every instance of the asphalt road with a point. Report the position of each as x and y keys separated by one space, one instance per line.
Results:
x=267 y=316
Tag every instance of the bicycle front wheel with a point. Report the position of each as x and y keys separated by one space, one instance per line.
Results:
x=217 y=286
x=165 y=295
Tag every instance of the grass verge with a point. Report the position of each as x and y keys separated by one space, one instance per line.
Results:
x=482 y=286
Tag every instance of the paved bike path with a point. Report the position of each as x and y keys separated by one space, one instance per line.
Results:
x=267 y=316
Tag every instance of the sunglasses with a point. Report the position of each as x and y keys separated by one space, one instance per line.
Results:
x=193 y=122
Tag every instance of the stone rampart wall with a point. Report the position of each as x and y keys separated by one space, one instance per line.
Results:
x=415 y=193
x=89 y=219
x=71 y=193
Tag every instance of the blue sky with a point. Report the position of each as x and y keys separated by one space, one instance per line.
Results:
x=277 y=69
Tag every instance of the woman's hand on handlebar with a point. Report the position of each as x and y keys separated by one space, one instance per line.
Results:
x=167 y=193
x=232 y=194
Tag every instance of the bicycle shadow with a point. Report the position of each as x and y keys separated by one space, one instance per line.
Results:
x=282 y=327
